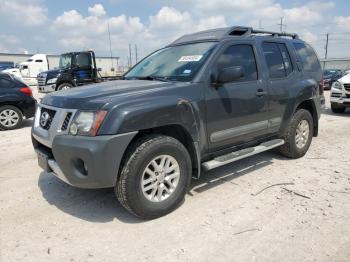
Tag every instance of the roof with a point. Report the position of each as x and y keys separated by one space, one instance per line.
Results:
x=227 y=32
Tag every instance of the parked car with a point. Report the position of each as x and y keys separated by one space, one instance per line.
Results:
x=16 y=102
x=330 y=76
x=206 y=100
x=340 y=94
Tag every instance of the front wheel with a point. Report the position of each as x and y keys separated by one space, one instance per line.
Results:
x=154 y=177
x=298 y=135
x=64 y=86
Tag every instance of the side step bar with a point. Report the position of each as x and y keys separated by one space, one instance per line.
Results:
x=240 y=154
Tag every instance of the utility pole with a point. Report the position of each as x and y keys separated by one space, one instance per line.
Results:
x=260 y=25
x=110 y=44
x=282 y=25
x=130 y=63
x=136 y=54
x=327 y=38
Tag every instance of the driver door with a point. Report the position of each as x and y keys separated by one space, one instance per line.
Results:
x=237 y=111
x=83 y=71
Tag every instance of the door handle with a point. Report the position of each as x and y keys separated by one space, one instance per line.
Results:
x=261 y=92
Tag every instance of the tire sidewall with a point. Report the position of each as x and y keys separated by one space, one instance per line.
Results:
x=133 y=186
x=2 y=108
x=299 y=116
x=59 y=88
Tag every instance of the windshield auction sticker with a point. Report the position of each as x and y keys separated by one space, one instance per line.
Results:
x=190 y=58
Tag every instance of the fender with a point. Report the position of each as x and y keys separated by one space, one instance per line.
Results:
x=307 y=92
x=154 y=112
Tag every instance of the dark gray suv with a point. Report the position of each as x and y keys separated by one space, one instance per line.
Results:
x=206 y=100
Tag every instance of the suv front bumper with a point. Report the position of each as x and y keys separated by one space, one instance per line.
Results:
x=46 y=88
x=85 y=162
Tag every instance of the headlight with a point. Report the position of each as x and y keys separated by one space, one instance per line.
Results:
x=87 y=123
x=337 y=85
x=52 y=80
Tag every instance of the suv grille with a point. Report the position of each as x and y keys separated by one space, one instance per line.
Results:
x=347 y=87
x=66 y=121
x=41 y=80
x=46 y=117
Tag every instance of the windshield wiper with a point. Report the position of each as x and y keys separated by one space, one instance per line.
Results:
x=152 y=78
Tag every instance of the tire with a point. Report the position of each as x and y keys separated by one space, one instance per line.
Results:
x=337 y=109
x=64 y=86
x=10 y=117
x=292 y=148
x=129 y=189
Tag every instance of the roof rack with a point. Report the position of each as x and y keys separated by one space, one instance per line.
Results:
x=221 y=33
x=247 y=31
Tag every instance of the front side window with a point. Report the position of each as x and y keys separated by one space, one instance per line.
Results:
x=240 y=55
x=307 y=57
x=83 y=60
x=175 y=63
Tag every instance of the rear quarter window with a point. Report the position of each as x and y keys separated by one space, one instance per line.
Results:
x=307 y=57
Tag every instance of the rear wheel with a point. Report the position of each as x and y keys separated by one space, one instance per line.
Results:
x=64 y=86
x=337 y=108
x=298 y=135
x=154 y=177
x=10 y=117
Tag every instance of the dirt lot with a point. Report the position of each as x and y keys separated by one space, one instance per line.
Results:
x=222 y=218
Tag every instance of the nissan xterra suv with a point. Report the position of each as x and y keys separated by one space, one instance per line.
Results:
x=205 y=100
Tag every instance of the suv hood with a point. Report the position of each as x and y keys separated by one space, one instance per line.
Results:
x=345 y=79
x=93 y=97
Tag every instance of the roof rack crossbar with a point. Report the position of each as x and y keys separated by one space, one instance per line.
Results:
x=292 y=35
x=246 y=31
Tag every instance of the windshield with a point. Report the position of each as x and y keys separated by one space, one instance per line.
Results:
x=175 y=63
x=65 y=61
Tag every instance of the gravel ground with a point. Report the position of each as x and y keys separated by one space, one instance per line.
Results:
x=222 y=219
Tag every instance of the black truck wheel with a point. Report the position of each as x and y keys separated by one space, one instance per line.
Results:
x=155 y=176
x=337 y=109
x=64 y=86
x=298 y=135
x=10 y=117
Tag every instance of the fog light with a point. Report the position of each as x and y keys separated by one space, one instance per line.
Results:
x=73 y=129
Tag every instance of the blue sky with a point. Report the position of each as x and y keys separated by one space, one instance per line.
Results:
x=50 y=26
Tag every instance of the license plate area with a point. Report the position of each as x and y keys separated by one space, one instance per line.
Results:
x=43 y=159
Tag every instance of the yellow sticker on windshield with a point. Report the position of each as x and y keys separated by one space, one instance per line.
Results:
x=190 y=58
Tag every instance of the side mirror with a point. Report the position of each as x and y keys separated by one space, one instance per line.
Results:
x=230 y=74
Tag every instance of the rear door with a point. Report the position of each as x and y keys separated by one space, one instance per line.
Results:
x=7 y=90
x=281 y=78
x=237 y=112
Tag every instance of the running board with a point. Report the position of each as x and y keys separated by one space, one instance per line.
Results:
x=240 y=154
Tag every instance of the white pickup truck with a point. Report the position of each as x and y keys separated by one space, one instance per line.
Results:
x=340 y=94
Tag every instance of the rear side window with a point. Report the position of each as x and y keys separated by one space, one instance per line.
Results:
x=307 y=57
x=240 y=55
x=4 y=83
x=277 y=59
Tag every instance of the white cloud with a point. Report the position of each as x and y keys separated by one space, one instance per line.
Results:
x=22 y=12
x=343 y=22
x=97 y=10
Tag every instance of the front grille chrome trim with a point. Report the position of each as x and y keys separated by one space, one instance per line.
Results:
x=46 y=136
